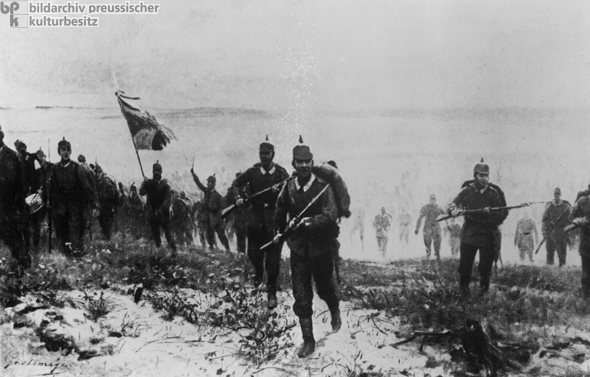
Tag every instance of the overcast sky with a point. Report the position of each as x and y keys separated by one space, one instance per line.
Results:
x=317 y=55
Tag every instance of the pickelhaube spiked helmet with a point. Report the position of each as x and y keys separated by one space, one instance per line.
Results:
x=302 y=151
x=482 y=168
x=266 y=145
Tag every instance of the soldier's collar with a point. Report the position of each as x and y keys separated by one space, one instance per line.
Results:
x=271 y=171
x=307 y=185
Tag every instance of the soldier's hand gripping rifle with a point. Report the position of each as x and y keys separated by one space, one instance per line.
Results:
x=227 y=210
x=551 y=230
x=295 y=222
x=481 y=210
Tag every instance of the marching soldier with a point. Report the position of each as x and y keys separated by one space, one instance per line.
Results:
x=200 y=214
x=12 y=201
x=554 y=221
x=136 y=213
x=260 y=217
x=182 y=219
x=70 y=191
x=213 y=203
x=431 y=228
x=454 y=231
x=479 y=230
x=239 y=217
x=157 y=190
x=404 y=221
x=382 y=224
x=108 y=196
x=526 y=228
x=310 y=204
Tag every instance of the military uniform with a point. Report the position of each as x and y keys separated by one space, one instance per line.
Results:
x=260 y=220
x=480 y=230
x=135 y=213
x=523 y=237
x=182 y=220
x=70 y=190
x=158 y=200
x=12 y=200
x=108 y=196
x=581 y=209
x=313 y=242
x=558 y=239
x=382 y=224
x=404 y=220
x=431 y=230
x=238 y=218
x=213 y=204
x=40 y=186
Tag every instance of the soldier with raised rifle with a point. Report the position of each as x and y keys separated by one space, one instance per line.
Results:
x=212 y=205
x=306 y=215
x=480 y=228
x=262 y=176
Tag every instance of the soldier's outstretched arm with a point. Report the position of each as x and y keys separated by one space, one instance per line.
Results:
x=198 y=182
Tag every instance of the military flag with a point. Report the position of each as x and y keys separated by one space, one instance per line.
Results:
x=146 y=131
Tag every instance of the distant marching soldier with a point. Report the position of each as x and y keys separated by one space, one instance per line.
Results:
x=70 y=191
x=135 y=211
x=555 y=219
x=182 y=218
x=157 y=191
x=312 y=242
x=526 y=236
x=212 y=205
x=431 y=229
x=12 y=201
x=480 y=230
x=404 y=220
x=260 y=216
x=27 y=161
x=382 y=224
x=108 y=196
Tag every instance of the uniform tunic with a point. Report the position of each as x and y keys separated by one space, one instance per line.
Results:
x=260 y=219
x=430 y=213
x=158 y=199
x=556 y=240
x=311 y=246
x=479 y=232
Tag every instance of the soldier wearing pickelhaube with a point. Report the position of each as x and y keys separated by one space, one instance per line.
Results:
x=212 y=205
x=312 y=243
x=157 y=191
x=260 y=216
x=70 y=190
x=480 y=230
x=12 y=201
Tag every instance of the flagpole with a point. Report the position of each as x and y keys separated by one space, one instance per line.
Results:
x=121 y=106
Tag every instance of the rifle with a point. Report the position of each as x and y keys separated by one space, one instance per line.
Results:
x=480 y=210
x=551 y=230
x=227 y=210
x=293 y=224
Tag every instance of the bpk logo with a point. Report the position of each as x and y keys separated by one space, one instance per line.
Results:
x=13 y=8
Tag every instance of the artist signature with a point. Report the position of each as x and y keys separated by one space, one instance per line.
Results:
x=55 y=366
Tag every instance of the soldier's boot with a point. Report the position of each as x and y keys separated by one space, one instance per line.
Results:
x=336 y=321
x=308 y=340
x=464 y=286
x=272 y=300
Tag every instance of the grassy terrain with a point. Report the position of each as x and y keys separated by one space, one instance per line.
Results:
x=423 y=295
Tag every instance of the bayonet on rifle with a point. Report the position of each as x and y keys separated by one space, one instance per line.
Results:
x=480 y=210
x=293 y=224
